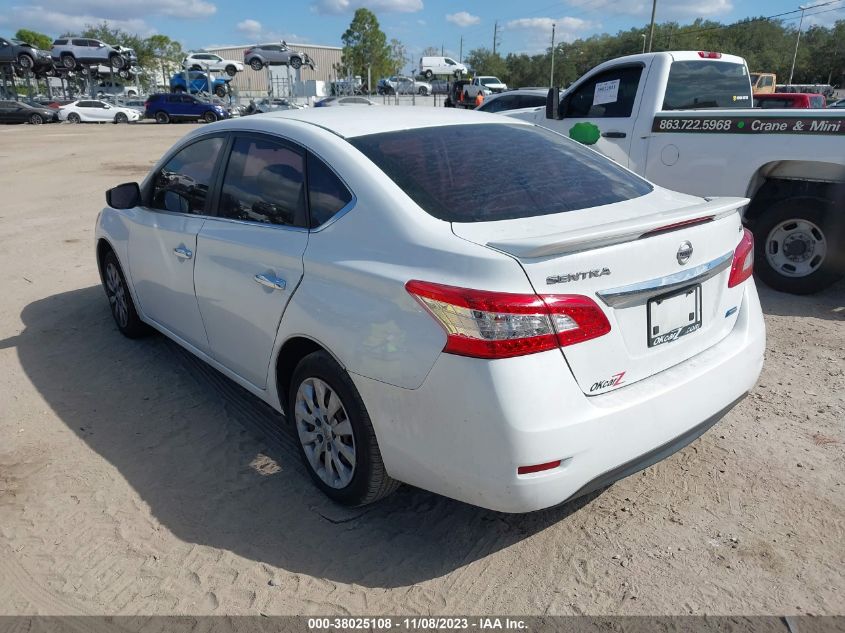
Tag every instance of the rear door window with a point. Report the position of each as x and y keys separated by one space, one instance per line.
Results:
x=182 y=185
x=695 y=85
x=609 y=94
x=441 y=169
x=326 y=193
x=264 y=182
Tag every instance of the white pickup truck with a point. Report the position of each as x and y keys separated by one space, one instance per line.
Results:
x=685 y=121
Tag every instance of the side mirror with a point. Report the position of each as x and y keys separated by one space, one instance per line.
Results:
x=125 y=196
x=552 y=102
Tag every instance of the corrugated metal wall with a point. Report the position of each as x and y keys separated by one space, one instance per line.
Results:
x=252 y=83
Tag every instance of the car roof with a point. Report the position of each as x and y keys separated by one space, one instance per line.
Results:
x=378 y=120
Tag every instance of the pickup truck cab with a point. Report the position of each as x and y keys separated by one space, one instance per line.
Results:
x=685 y=121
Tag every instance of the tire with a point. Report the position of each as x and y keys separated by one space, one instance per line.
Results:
x=124 y=74
x=348 y=432
x=25 y=61
x=798 y=245
x=195 y=67
x=120 y=300
x=209 y=117
x=429 y=74
x=36 y=119
x=231 y=71
x=116 y=61
x=162 y=117
x=256 y=64
x=295 y=63
x=220 y=91
x=422 y=91
x=68 y=62
x=120 y=117
x=74 y=118
x=179 y=90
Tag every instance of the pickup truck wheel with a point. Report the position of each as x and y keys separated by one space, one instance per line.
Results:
x=162 y=117
x=336 y=438
x=120 y=301
x=256 y=64
x=797 y=244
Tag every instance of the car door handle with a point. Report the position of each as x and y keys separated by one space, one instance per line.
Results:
x=183 y=252
x=614 y=134
x=271 y=281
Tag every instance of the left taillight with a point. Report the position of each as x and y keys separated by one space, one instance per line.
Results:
x=743 y=263
x=485 y=324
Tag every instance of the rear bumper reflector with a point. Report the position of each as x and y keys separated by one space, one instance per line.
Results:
x=536 y=468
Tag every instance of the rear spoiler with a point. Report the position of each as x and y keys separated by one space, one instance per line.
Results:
x=618 y=232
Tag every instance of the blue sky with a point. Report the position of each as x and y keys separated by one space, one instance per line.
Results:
x=525 y=24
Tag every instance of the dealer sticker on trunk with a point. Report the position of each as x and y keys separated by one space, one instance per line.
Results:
x=749 y=125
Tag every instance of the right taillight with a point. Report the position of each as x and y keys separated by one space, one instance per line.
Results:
x=743 y=263
x=485 y=324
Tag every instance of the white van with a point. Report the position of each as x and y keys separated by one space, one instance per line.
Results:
x=430 y=66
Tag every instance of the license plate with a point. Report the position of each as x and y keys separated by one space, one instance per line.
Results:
x=674 y=315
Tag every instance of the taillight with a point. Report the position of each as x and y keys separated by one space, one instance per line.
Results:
x=484 y=324
x=709 y=55
x=743 y=263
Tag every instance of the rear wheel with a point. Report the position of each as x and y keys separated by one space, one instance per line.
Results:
x=422 y=91
x=295 y=63
x=209 y=117
x=120 y=301
x=25 y=61
x=256 y=64
x=36 y=119
x=73 y=117
x=121 y=117
x=799 y=245
x=336 y=438
x=162 y=117
x=429 y=74
x=116 y=61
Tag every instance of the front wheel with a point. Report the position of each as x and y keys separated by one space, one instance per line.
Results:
x=68 y=62
x=162 y=117
x=231 y=71
x=36 y=119
x=336 y=438
x=422 y=91
x=209 y=117
x=799 y=245
x=256 y=64
x=429 y=74
x=120 y=301
x=25 y=61
x=116 y=61
x=121 y=117
x=295 y=63
x=220 y=91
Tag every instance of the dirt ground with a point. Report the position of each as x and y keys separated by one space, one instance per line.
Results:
x=136 y=480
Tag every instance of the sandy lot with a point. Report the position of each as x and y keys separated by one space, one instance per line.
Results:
x=136 y=480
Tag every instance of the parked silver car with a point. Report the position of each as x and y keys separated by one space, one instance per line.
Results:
x=263 y=55
x=403 y=86
x=72 y=52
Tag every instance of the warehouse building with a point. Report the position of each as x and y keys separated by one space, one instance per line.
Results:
x=251 y=83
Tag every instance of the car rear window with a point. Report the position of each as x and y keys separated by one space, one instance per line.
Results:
x=448 y=171
x=703 y=84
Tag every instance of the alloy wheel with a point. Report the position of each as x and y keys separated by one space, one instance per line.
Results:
x=116 y=292
x=325 y=432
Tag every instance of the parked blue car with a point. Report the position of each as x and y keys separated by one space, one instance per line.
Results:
x=166 y=108
x=198 y=82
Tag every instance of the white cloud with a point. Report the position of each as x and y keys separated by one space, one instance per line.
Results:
x=254 y=31
x=54 y=23
x=111 y=10
x=250 y=28
x=462 y=18
x=566 y=28
x=335 y=7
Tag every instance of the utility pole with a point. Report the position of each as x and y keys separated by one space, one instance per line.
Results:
x=461 y=54
x=495 y=35
x=797 y=40
x=643 y=36
x=552 y=75
x=651 y=30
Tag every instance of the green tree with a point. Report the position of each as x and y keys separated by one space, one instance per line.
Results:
x=39 y=40
x=365 y=46
x=167 y=54
x=482 y=61
x=399 y=57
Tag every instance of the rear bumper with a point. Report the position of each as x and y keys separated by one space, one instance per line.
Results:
x=472 y=423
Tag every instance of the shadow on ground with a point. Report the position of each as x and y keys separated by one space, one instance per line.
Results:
x=828 y=304
x=217 y=468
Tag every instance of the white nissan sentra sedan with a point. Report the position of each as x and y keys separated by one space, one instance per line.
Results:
x=460 y=301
